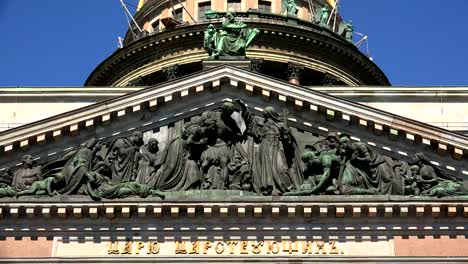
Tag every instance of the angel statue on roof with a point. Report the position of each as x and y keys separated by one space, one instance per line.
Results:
x=321 y=16
x=346 y=30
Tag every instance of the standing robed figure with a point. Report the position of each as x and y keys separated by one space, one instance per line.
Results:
x=277 y=167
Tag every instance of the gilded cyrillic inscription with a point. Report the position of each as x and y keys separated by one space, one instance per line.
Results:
x=230 y=247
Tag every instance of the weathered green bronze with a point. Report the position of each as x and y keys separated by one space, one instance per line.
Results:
x=346 y=30
x=231 y=41
x=289 y=7
x=7 y=190
x=104 y=188
x=211 y=14
x=356 y=169
x=40 y=187
x=321 y=16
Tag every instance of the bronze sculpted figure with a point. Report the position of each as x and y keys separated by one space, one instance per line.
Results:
x=351 y=180
x=149 y=164
x=232 y=40
x=40 y=187
x=210 y=40
x=289 y=7
x=122 y=156
x=221 y=152
x=321 y=171
x=6 y=179
x=6 y=190
x=103 y=187
x=180 y=170
x=431 y=181
x=26 y=175
x=378 y=168
x=412 y=182
x=321 y=16
x=75 y=174
x=278 y=168
x=346 y=30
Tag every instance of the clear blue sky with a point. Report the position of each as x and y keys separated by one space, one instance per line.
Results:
x=59 y=42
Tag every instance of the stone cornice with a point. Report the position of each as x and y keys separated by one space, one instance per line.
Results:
x=322 y=206
x=369 y=93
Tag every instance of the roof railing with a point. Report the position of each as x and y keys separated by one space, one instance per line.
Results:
x=250 y=16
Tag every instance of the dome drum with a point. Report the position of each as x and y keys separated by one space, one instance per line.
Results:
x=316 y=48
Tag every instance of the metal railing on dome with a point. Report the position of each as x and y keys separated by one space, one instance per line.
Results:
x=249 y=16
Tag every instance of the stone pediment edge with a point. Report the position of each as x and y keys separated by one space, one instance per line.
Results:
x=73 y=121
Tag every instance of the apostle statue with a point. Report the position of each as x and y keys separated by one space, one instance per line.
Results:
x=289 y=7
x=346 y=30
x=321 y=16
x=210 y=40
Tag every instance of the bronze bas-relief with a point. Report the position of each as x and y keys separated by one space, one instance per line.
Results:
x=213 y=153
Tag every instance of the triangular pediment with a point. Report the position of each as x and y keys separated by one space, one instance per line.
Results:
x=161 y=111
